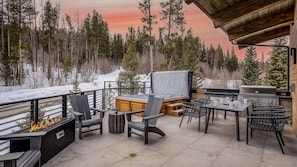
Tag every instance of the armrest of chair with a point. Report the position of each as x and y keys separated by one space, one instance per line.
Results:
x=98 y=110
x=34 y=138
x=153 y=116
x=128 y=114
x=77 y=115
x=134 y=112
x=146 y=119
x=11 y=156
x=23 y=135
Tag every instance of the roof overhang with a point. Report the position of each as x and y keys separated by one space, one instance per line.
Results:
x=249 y=21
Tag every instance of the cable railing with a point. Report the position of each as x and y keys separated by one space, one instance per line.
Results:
x=17 y=115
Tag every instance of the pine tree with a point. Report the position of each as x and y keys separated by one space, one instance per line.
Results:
x=117 y=48
x=220 y=57
x=211 y=57
x=173 y=17
x=49 y=26
x=232 y=62
x=277 y=71
x=104 y=41
x=15 y=30
x=191 y=48
x=251 y=69
x=95 y=38
x=148 y=21
x=130 y=62
x=88 y=36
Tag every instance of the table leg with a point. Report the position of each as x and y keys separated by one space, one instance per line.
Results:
x=207 y=120
x=237 y=126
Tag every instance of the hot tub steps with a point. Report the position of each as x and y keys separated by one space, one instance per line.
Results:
x=175 y=109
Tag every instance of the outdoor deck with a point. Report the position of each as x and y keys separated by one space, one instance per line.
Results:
x=183 y=146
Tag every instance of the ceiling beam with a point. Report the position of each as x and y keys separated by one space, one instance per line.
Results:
x=261 y=24
x=189 y=1
x=265 y=36
x=237 y=10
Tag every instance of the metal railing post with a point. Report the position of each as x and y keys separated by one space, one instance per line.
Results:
x=94 y=98
x=32 y=106
x=143 y=89
x=103 y=99
x=64 y=106
x=36 y=112
x=120 y=88
x=131 y=88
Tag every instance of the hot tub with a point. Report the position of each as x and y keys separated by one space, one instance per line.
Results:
x=173 y=86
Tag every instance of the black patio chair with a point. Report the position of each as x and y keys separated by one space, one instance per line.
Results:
x=29 y=155
x=149 y=120
x=193 y=110
x=267 y=121
x=83 y=117
x=267 y=108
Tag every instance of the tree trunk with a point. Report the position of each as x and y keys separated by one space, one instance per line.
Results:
x=8 y=57
x=2 y=33
x=96 y=57
x=20 y=62
x=49 y=67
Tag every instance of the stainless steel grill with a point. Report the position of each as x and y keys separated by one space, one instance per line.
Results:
x=259 y=95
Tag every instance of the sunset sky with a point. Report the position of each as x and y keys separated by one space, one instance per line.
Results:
x=121 y=14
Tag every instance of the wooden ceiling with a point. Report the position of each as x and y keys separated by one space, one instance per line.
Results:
x=249 y=21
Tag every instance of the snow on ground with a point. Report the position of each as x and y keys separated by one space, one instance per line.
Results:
x=23 y=94
x=97 y=83
x=11 y=94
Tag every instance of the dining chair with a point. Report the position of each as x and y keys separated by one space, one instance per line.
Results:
x=193 y=110
x=267 y=121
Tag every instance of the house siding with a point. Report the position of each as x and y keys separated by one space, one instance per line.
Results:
x=293 y=71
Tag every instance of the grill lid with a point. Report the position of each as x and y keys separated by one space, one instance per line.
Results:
x=256 y=89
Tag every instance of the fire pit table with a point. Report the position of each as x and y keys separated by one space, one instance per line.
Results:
x=57 y=137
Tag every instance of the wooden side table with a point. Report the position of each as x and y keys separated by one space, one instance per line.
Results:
x=116 y=122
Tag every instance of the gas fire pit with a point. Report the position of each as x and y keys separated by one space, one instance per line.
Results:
x=58 y=136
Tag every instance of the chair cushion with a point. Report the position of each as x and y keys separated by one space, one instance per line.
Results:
x=91 y=122
x=138 y=125
x=29 y=159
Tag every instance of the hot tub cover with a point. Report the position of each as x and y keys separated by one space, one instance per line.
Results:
x=172 y=83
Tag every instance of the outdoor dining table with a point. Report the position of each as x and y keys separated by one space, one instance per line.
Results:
x=237 y=107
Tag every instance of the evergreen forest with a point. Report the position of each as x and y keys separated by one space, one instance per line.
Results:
x=42 y=38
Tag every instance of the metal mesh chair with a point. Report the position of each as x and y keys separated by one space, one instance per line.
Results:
x=193 y=110
x=267 y=121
